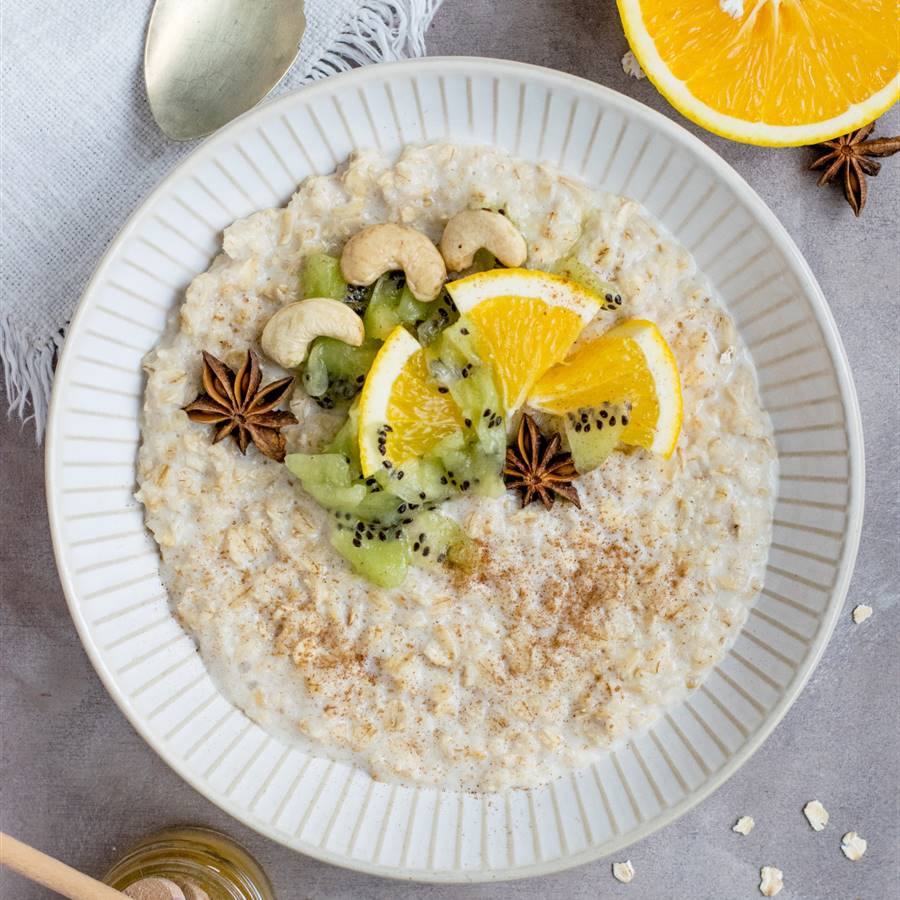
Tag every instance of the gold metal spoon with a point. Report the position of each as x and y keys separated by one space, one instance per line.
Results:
x=207 y=61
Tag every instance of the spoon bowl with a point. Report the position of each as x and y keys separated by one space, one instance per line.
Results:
x=208 y=61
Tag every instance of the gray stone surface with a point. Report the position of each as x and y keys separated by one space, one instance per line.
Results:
x=79 y=783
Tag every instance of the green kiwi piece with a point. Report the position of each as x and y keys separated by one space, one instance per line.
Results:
x=594 y=432
x=423 y=481
x=314 y=376
x=572 y=268
x=469 y=469
x=411 y=312
x=327 y=469
x=484 y=261
x=337 y=499
x=346 y=440
x=454 y=362
x=321 y=277
x=440 y=313
x=380 y=507
x=334 y=372
x=380 y=317
x=433 y=539
x=328 y=479
x=381 y=559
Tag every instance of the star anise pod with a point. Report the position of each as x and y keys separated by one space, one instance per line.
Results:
x=239 y=407
x=849 y=157
x=535 y=466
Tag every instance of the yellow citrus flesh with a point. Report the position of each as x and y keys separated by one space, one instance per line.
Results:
x=398 y=393
x=783 y=72
x=630 y=363
x=525 y=322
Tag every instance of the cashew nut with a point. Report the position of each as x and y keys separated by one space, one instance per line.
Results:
x=470 y=230
x=384 y=248
x=288 y=334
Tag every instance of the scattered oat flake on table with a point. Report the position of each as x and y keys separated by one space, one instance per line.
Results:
x=630 y=66
x=861 y=613
x=623 y=872
x=744 y=825
x=816 y=815
x=771 y=881
x=853 y=846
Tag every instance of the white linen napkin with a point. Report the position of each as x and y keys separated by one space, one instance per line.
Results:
x=80 y=148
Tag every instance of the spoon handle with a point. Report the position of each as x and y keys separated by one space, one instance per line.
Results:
x=52 y=873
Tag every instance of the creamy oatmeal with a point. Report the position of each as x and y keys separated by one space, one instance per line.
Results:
x=577 y=626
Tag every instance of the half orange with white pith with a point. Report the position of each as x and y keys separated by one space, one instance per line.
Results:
x=770 y=72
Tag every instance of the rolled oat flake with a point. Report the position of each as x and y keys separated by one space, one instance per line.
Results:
x=816 y=815
x=623 y=871
x=771 y=881
x=853 y=846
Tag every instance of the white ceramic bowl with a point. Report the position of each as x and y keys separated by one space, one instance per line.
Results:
x=108 y=564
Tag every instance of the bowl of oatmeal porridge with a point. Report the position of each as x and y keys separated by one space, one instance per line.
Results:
x=452 y=675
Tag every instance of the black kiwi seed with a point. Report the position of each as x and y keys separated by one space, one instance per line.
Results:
x=416 y=547
x=443 y=390
x=603 y=414
x=465 y=485
x=360 y=379
x=422 y=536
x=443 y=480
x=357 y=542
x=624 y=420
x=406 y=521
x=617 y=300
x=612 y=420
x=357 y=297
x=468 y=423
x=463 y=330
x=578 y=426
x=388 y=428
x=402 y=508
x=599 y=424
x=587 y=428
x=422 y=495
x=485 y=414
x=400 y=474
x=388 y=464
x=382 y=536
x=584 y=418
x=426 y=551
